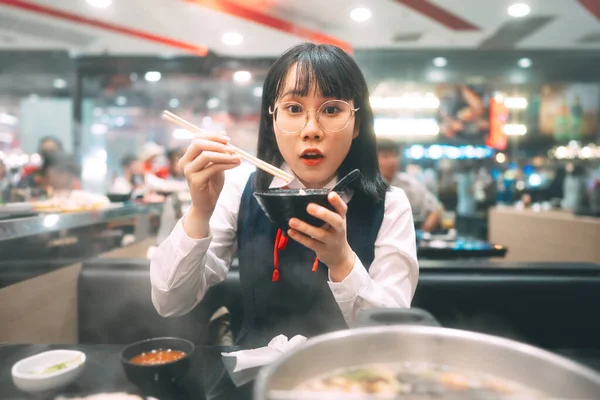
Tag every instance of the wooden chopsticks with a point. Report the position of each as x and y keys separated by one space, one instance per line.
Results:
x=265 y=166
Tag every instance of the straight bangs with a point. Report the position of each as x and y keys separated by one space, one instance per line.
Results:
x=319 y=74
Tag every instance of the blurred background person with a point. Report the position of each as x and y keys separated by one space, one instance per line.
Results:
x=173 y=156
x=60 y=173
x=50 y=144
x=4 y=183
x=465 y=190
x=131 y=178
x=150 y=155
x=426 y=208
x=32 y=175
x=575 y=189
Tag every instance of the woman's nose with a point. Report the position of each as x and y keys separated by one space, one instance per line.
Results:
x=312 y=130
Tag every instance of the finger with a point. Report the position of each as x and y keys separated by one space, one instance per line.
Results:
x=304 y=240
x=206 y=143
x=338 y=203
x=215 y=168
x=309 y=230
x=207 y=157
x=335 y=220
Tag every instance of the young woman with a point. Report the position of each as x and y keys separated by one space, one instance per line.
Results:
x=316 y=122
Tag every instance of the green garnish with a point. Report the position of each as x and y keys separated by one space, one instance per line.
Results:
x=60 y=366
x=55 y=368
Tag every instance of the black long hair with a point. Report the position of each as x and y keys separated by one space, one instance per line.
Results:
x=327 y=70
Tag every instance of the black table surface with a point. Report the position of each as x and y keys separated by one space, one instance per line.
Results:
x=103 y=373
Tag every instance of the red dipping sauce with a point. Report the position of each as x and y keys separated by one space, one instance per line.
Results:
x=159 y=356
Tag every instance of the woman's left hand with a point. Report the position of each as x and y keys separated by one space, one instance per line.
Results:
x=329 y=241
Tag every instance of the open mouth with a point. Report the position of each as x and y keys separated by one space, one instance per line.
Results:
x=311 y=156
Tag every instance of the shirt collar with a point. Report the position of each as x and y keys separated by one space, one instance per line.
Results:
x=278 y=183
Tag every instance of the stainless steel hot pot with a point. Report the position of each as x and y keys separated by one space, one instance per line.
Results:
x=556 y=376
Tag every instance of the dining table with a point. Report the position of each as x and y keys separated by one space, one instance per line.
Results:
x=207 y=377
x=451 y=246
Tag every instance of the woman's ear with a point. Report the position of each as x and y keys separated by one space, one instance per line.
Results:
x=356 y=130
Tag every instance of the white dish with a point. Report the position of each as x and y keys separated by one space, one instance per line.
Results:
x=31 y=374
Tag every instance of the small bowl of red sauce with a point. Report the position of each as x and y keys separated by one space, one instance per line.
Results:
x=157 y=364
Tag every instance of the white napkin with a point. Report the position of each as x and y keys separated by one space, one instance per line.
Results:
x=243 y=365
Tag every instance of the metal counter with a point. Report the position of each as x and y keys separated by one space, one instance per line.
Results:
x=67 y=236
x=46 y=223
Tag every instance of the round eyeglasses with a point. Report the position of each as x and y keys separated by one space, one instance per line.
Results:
x=333 y=116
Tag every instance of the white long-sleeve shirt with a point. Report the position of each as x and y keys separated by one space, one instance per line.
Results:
x=182 y=269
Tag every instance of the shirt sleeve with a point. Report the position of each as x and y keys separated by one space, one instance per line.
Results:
x=182 y=269
x=392 y=277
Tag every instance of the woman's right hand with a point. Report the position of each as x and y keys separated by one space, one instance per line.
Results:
x=204 y=164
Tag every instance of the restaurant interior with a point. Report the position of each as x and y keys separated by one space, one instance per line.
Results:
x=486 y=114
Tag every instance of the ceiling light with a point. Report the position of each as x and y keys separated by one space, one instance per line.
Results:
x=440 y=62
x=119 y=121
x=100 y=3
x=500 y=158
x=515 y=129
x=232 y=39
x=213 y=103
x=242 y=77
x=519 y=10
x=525 y=62
x=360 y=14
x=436 y=76
x=515 y=102
x=257 y=91
x=59 y=83
x=99 y=129
x=153 y=76
x=121 y=100
x=396 y=127
x=174 y=103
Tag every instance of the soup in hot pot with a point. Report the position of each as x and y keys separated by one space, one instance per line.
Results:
x=419 y=381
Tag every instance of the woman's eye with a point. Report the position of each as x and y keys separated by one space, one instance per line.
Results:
x=293 y=109
x=331 y=110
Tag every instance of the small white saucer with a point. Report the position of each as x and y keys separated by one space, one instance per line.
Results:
x=29 y=374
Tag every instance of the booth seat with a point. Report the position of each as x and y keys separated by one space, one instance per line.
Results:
x=548 y=305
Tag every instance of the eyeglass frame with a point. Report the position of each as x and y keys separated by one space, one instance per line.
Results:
x=352 y=114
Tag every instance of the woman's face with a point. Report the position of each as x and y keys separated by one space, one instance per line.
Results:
x=60 y=179
x=327 y=149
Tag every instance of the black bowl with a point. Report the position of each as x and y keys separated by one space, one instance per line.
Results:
x=156 y=379
x=283 y=204
x=118 y=197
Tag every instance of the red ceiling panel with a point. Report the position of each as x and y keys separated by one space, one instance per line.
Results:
x=593 y=6
x=251 y=13
x=439 y=14
x=95 y=23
